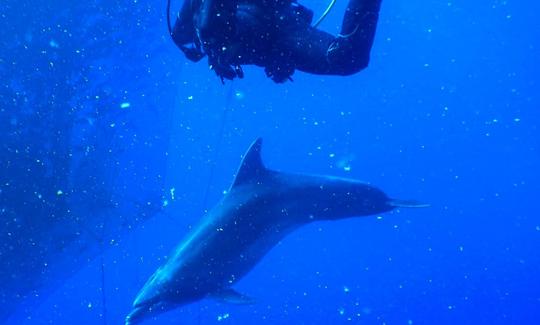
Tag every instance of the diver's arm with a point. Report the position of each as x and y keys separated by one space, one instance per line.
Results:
x=215 y=22
x=184 y=35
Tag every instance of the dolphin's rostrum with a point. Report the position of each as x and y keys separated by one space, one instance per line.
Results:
x=261 y=207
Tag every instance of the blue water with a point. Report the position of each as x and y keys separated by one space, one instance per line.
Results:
x=446 y=113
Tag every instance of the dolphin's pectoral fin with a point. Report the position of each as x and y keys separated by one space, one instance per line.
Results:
x=233 y=297
x=407 y=204
x=252 y=166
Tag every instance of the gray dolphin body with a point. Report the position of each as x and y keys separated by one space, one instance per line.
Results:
x=261 y=207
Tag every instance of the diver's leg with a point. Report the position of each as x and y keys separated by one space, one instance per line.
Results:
x=350 y=51
x=318 y=52
x=306 y=49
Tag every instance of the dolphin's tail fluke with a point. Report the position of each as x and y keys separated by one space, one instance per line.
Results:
x=395 y=203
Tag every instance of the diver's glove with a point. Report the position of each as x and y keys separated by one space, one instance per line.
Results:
x=223 y=69
x=279 y=73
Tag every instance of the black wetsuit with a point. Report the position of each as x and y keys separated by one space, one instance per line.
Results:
x=276 y=35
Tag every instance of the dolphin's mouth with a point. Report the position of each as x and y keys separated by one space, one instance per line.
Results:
x=136 y=315
x=144 y=311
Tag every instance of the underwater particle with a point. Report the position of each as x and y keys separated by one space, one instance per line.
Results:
x=517 y=119
x=366 y=310
x=59 y=192
x=125 y=105
x=345 y=163
x=89 y=305
x=239 y=95
x=346 y=289
x=341 y=311
x=460 y=248
x=172 y=192
x=223 y=317
x=112 y=125
x=53 y=44
x=450 y=307
x=409 y=322
x=190 y=97
x=165 y=202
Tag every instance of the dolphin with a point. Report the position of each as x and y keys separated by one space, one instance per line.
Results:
x=261 y=207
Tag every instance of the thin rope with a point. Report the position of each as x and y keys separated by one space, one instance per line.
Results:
x=219 y=141
x=103 y=294
x=101 y=241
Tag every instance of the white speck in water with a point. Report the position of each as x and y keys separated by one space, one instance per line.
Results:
x=223 y=317
x=239 y=95
x=341 y=311
x=59 y=192
x=346 y=289
x=125 y=105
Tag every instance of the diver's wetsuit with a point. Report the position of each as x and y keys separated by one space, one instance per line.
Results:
x=274 y=34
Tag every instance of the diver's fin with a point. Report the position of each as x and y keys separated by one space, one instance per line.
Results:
x=252 y=166
x=233 y=297
x=407 y=204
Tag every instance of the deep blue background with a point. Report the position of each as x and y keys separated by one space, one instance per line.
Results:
x=447 y=113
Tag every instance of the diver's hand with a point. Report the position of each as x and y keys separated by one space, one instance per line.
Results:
x=279 y=73
x=225 y=70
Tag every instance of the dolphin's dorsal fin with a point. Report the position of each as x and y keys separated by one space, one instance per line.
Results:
x=252 y=166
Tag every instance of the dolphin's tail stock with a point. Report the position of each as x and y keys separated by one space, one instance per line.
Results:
x=396 y=203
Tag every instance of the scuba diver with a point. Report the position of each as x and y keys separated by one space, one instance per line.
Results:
x=275 y=34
